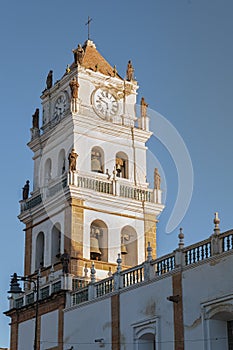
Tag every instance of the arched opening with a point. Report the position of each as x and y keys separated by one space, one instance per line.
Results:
x=47 y=170
x=146 y=342
x=98 y=241
x=97 y=160
x=221 y=327
x=61 y=163
x=122 y=165
x=129 y=246
x=56 y=243
x=39 y=251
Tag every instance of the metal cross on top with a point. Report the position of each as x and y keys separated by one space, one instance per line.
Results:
x=88 y=26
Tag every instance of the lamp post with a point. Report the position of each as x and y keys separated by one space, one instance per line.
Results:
x=16 y=289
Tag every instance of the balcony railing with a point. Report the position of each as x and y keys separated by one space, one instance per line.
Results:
x=82 y=290
x=93 y=182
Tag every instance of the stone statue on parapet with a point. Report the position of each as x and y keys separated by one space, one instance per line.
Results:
x=49 y=80
x=35 y=119
x=157 y=179
x=144 y=106
x=130 y=71
x=78 y=54
x=65 y=260
x=74 y=85
x=72 y=160
x=26 y=190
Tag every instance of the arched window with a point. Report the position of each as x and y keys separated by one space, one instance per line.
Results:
x=98 y=241
x=129 y=246
x=61 y=162
x=56 y=243
x=146 y=342
x=39 y=251
x=220 y=325
x=47 y=170
x=97 y=160
x=122 y=165
x=145 y=334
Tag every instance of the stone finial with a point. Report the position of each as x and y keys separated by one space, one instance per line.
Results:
x=93 y=272
x=119 y=261
x=181 y=239
x=110 y=272
x=85 y=271
x=216 y=223
x=149 y=252
x=68 y=69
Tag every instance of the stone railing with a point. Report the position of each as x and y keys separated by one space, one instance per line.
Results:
x=94 y=182
x=53 y=188
x=197 y=253
x=85 y=289
x=153 y=269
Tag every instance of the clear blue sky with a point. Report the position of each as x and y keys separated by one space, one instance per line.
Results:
x=183 y=57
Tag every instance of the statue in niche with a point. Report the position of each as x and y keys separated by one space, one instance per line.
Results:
x=35 y=119
x=130 y=71
x=49 y=80
x=144 y=106
x=157 y=179
x=78 y=54
x=74 y=85
x=26 y=190
x=65 y=260
x=72 y=160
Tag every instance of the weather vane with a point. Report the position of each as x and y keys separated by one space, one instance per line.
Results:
x=88 y=26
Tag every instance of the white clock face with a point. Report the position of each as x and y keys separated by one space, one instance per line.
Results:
x=60 y=107
x=104 y=103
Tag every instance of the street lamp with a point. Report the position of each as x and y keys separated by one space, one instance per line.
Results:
x=16 y=289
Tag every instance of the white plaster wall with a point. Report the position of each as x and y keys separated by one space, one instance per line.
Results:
x=26 y=335
x=115 y=224
x=203 y=283
x=49 y=330
x=145 y=303
x=52 y=148
x=84 y=324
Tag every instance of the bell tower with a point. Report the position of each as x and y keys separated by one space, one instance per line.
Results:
x=90 y=199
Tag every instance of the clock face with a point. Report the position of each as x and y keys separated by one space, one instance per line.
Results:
x=104 y=103
x=59 y=108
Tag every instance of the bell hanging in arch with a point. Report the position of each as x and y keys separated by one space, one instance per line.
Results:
x=95 y=252
x=123 y=249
